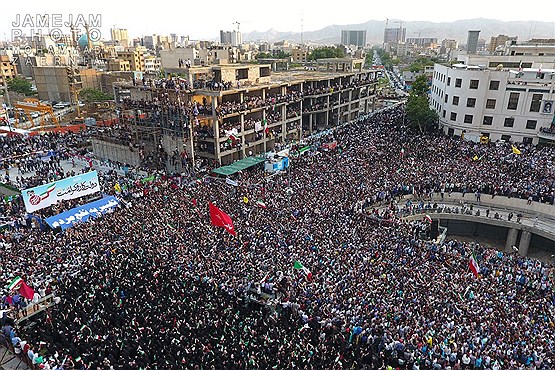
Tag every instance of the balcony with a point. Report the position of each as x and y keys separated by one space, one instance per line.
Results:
x=546 y=134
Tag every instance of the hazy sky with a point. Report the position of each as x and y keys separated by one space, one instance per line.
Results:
x=204 y=19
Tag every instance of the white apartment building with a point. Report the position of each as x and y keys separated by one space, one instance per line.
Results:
x=511 y=104
x=152 y=64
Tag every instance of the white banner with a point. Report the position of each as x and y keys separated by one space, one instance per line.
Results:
x=69 y=188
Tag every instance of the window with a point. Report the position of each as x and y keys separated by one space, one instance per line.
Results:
x=536 y=102
x=455 y=100
x=453 y=116
x=494 y=85
x=458 y=82
x=490 y=104
x=444 y=113
x=506 y=138
x=527 y=140
x=531 y=124
x=448 y=81
x=446 y=97
x=486 y=134
x=470 y=102
x=488 y=120
x=474 y=84
x=513 y=101
x=509 y=122
x=468 y=118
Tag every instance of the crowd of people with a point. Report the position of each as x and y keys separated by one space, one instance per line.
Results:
x=155 y=286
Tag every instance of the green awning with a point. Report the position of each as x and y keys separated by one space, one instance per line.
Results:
x=240 y=165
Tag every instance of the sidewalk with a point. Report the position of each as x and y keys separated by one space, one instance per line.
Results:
x=10 y=361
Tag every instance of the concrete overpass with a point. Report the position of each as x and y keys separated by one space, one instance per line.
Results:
x=537 y=218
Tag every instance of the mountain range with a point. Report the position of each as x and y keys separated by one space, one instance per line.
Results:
x=458 y=30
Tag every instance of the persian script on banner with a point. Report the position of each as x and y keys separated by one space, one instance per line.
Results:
x=69 y=188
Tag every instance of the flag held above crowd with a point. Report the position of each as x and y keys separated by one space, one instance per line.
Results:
x=25 y=290
x=299 y=266
x=516 y=150
x=221 y=219
x=473 y=265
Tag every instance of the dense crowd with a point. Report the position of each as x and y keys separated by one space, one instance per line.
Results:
x=156 y=286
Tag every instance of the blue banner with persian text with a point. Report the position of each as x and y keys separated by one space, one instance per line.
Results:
x=81 y=214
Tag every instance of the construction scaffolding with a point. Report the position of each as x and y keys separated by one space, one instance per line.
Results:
x=45 y=112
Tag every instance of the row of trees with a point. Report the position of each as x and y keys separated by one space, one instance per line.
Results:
x=318 y=53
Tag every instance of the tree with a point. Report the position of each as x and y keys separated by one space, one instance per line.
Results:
x=263 y=56
x=92 y=95
x=420 y=85
x=326 y=52
x=418 y=109
x=20 y=85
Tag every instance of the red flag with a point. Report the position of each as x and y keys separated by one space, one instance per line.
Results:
x=220 y=218
x=26 y=291
x=194 y=201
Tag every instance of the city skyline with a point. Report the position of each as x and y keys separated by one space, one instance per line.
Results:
x=251 y=16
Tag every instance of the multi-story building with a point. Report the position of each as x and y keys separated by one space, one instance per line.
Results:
x=356 y=38
x=120 y=35
x=233 y=38
x=252 y=110
x=511 y=104
x=472 y=41
x=8 y=71
x=152 y=64
x=55 y=83
x=447 y=45
x=498 y=44
x=135 y=57
x=299 y=55
x=118 y=65
x=394 y=35
x=422 y=42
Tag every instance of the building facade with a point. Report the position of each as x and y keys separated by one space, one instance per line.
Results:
x=394 y=35
x=120 y=35
x=258 y=111
x=356 y=38
x=8 y=71
x=55 y=83
x=135 y=58
x=472 y=41
x=500 y=103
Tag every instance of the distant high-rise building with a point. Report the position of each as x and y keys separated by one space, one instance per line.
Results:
x=232 y=38
x=225 y=37
x=150 y=42
x=357 y=38
x=120 y=35
x=394 y=35
x=500 y=41
x=422 y=41
x=472 y=42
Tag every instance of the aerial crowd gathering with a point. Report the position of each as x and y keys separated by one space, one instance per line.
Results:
x=308 y=281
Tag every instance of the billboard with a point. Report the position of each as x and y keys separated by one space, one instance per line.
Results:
x=82 y=213
x=69 y=188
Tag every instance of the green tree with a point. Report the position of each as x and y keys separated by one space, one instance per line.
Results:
x=20 y=85
x=92 y=95
x=326 y=52
x=418 y=109
x=420 y=85
x=264 y=56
